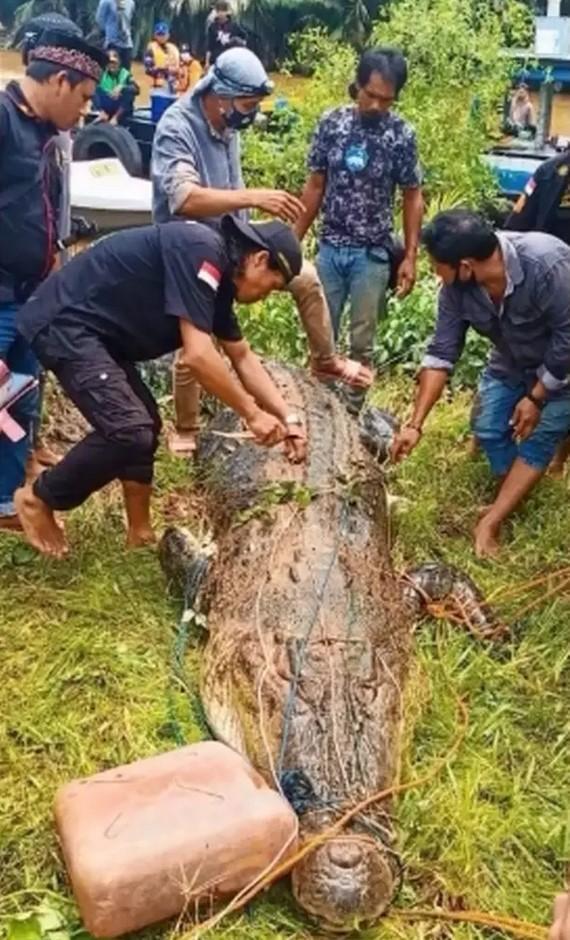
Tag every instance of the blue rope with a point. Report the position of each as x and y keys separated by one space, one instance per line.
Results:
x=300 y=659
x=182 y=636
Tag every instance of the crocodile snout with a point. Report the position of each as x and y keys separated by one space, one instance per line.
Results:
x=346 y=883
x=345 y=854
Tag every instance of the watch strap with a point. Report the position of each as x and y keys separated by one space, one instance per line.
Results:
x=537 y=402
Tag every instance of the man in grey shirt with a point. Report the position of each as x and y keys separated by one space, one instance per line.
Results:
x=114 y=19
x=196 y=173
x=513 y=288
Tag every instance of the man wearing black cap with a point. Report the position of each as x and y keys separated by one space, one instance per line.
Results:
x=196 y=174
x=135 y=296
x=61 y=77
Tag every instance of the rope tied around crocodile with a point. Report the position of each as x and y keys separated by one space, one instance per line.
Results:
x=300 y=793
x=294 y=784
x=300 y=659
x=187 y=623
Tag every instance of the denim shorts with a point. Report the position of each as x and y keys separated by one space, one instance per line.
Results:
x=492 y=412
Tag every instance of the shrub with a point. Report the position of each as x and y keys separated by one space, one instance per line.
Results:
x=273 y=330
x=458 y=76
x=404 y=332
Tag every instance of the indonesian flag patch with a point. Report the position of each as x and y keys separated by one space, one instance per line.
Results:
x=210 y=274
x=530 y=186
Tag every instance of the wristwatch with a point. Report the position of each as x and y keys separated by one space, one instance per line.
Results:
x=537 y=402
x=293 y=419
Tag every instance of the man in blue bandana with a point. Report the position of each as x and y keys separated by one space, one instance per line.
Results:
x=196 y=173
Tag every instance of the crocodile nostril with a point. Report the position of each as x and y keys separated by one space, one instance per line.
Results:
x=345 y=854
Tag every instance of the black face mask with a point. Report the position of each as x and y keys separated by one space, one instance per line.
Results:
x=239 y=120
x=371 y=118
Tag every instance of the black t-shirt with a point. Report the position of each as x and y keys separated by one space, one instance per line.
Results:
x=222 y=36
x=132 y=288
x=560 y=218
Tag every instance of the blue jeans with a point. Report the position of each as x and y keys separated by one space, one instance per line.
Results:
x=359 y=276
x=18 y=356
x=124 y=103
x=493 y=409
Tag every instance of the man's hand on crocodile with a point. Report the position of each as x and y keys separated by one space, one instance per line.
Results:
x=296 y=443
x=404 y=443
x=267 y=429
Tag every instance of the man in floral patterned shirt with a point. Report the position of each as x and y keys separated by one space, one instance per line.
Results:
x=359 y=155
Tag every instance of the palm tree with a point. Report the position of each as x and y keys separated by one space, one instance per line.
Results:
x=269 y=22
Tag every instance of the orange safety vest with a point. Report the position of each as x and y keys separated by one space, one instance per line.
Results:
x=165 y=57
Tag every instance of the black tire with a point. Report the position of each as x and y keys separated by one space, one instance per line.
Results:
x=105 y=140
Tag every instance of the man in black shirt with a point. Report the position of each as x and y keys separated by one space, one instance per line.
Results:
x=135 y=296
x=544 y=205
x=61 y=76
x=223 y=32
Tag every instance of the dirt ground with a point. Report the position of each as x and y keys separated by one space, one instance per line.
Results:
x=11 y=67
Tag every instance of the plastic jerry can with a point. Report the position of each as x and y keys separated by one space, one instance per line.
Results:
x=148 y=840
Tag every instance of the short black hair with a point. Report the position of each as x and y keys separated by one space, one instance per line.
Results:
x=457 y=234
x=388 y=62
x=239 y=247
x=41 y=72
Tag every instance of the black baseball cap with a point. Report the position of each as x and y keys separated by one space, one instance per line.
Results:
x=275 y=237
x=28 y=34
x=31 y=30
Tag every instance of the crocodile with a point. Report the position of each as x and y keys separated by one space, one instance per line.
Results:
x=308 y=639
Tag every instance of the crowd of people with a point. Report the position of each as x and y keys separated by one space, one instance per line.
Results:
x=169 y=66
x=171 y=287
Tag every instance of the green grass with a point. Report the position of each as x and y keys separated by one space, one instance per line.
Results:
x=85 y=683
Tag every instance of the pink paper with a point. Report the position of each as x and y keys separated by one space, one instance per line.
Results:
x=10 y=428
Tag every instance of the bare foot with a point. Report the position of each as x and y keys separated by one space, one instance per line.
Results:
x=556 y=469
x=39 y=525
x=140 y=538
x=10 y=524
x=183 y=443
x=486 y=538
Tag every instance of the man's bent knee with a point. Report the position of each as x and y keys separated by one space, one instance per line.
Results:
x=499 y=451
x=136 y=440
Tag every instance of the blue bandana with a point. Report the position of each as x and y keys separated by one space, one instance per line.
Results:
x=237 y=73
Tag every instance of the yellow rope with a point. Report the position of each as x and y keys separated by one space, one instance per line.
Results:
x=278 y=871
x=516 y=928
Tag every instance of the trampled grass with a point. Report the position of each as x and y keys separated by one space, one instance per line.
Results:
x=85 y=683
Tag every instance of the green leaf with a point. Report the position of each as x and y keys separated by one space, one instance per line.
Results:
x=50 y=919
x=24 y=927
